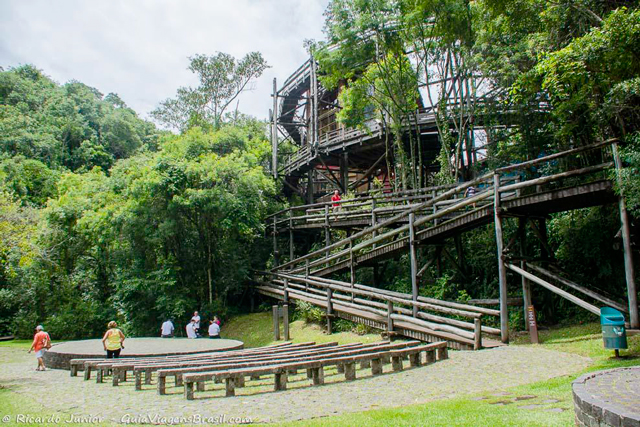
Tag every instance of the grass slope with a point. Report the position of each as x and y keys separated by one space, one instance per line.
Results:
x=256 y=330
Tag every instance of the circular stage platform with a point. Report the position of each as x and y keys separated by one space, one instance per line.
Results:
x=59 y=356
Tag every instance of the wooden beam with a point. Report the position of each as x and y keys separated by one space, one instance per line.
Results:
x=368 y=172
x=596 y=296
x=414 y=262
x=574 y=299
x=502 y=272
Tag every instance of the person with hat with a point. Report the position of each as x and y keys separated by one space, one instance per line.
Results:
x=41 y=343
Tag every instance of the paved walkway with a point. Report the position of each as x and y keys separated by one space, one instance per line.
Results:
x=469 y=372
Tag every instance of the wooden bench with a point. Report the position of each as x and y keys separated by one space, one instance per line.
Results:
x=231 y=376
x=103 y=365
x=81 y=364
x=138 y=370
x=347 y=349
x=139 y=366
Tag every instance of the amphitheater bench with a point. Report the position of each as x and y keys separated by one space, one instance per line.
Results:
x=148 y=367
x=344 y=350
x=232 y=377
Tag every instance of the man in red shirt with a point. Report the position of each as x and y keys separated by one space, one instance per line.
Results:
x=41 y=343
x=336 y=198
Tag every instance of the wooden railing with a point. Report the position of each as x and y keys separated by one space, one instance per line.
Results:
x=422 y=315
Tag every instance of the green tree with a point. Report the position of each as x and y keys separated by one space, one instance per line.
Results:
x=222 y=78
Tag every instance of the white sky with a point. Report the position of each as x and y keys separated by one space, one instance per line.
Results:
x=139 y=48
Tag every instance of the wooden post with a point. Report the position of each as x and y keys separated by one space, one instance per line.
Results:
x=526 y=288
x=477 y=334
x=350 y=371
x=291 y=248
x=285 y=321
x=344 y=171
x=310 y=186
x=276 y=323
x=276 y=257
x=389 y=319
x=376 y=275
x=532 y=325
x=327 y=232
x=502 y=271
x=414 y=263
x=634 y=321
x=274 y=131
x=352 y=268
x=374 y=219
x=329 y=310
x=286 y=290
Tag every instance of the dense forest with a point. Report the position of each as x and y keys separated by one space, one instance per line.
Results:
x=105 y=216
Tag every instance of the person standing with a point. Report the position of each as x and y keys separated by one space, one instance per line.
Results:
x=216 y=319
x=191 y=330
x=196 y=319
x=113 y=341
x=166 y=331
x=214 y=330
x=41 y=343
x=336 y=198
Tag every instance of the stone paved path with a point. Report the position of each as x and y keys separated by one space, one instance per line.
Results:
x=463 y=373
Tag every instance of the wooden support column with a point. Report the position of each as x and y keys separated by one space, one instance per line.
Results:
x=285 y=294
x=285 y=322
x=276 y=257
x=374 y=219
x=344 y=171
x=376 y=275
x=414 y=263
x=389 y=319
x=502 y=271
x=291 y=247
x=276 y=323
x=352 y=268
x=329 y=310
x=629 y=272
x=274 y=131
x=526 y=287
x=457 y=239
x=327 y=232
x=310 y=186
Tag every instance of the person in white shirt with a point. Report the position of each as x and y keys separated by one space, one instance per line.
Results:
x=191 y=329
x=166 y=331
x=196 y=318
x=214 y=330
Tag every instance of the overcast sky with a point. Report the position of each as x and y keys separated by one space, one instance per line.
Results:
x=139 y=48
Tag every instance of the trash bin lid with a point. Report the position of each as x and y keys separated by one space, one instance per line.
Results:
x=611 y=316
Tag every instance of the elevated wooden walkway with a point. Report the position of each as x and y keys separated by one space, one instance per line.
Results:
x=388 y=226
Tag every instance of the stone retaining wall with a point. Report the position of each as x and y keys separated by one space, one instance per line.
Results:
x=608 y=398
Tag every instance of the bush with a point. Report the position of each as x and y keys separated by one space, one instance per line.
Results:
x=308 y=312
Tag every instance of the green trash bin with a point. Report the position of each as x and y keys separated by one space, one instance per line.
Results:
x=614 y=333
